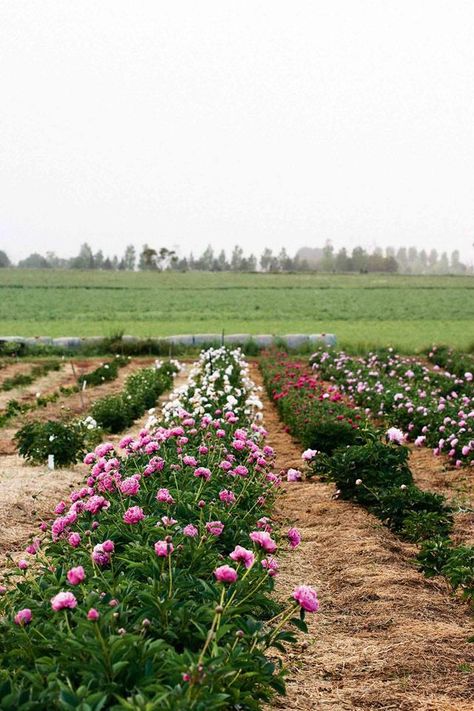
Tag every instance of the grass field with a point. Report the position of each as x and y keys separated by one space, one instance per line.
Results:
x=408 y=312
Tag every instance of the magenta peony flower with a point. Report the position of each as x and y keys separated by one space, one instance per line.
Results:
x=74 y=540
x=215 y=528
x=306 y=596
x=93 y=614
x=76 y=575
x=63 y=600
x=294 y=537
x=23 y=617
x=225 y=574
x=242 y=555
x=34 y=546
x=133 y=515
x=163 y=548
x=264 y=540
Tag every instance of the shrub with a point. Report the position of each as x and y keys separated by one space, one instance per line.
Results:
x=67 y=441
x=424 y=525
x=377 y=465
x=395 y=505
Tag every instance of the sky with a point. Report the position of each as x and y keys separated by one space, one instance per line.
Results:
x=258 y=122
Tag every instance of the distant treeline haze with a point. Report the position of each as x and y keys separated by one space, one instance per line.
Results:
x=307 y=259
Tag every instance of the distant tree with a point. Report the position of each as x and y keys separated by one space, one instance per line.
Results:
x=148 y=258
x=34 y=261
x=236 y=259
x=327 y=261
x=285 y=262
x=206 y=260
x=85 y=258
x=266 y=260
x=360 y=259
x=107 y=264
x=4 y=260
x=443 y=264
x=433 y=260
x=130 y=257
x=221 y=262
x=342 y=261
x=166 y=259
x=99 y=259
x=252 y=263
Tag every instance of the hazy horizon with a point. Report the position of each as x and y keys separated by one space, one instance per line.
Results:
x=268 y=124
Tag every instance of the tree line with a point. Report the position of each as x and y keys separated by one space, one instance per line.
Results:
x=307 y=259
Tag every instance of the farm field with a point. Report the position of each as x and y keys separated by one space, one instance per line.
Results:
x=385 y=636
x=410 y=313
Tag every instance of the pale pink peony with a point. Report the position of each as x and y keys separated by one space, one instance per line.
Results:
x=63 y=600
x=190 y=531
x=164 y=496
x=293 y=475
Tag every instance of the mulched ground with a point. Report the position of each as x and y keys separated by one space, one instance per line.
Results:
x=386 y=638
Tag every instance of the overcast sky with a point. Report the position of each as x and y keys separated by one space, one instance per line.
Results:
x=262 y=122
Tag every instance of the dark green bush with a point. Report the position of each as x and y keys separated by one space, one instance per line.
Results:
x=67 y=441
x=328 y=435
x=379 y=466
x=395 y=505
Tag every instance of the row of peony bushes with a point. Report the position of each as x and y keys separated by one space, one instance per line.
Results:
x=68 y=440
x=36 y=371
x=152 y=587
x=104 y=373
x=434 y=408
x=368 y=465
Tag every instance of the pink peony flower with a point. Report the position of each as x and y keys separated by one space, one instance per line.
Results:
x=34 y=546
x=100 y=556
x=203 y=473
x=168 y=521
x=163 y=548
x=309 y=454
x=215 y=528
x=294 y=537
x=63 y=600
x=23 y=564
x=76 y=575
x=270 y=564
x=306 y=596
x=395 y=435
x=242 y=555
x=164 y=496
x=264 y=540
x=189 y=460
x=130 y=486
x=293 y=475
x=23 y=617
x=228 y=497
x=133 y=515
x=225 y=574
x=108 y=546
x=190 y=531
x=93 y=614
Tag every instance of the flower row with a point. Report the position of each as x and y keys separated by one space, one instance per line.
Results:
x=153 y=583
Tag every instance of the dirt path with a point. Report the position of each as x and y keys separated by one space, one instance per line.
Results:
x=29 y=493
x=437 y=474
x=386 y=638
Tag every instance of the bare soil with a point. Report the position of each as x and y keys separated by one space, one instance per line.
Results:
x=386 y=638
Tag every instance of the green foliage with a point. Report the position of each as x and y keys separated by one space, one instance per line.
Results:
x=67 y=441
x=405 y=509
x=104 y=373
x=438 y=556
x=114 y=413
x=380 y=467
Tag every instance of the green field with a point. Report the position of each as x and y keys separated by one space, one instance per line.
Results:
x=408 y=312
